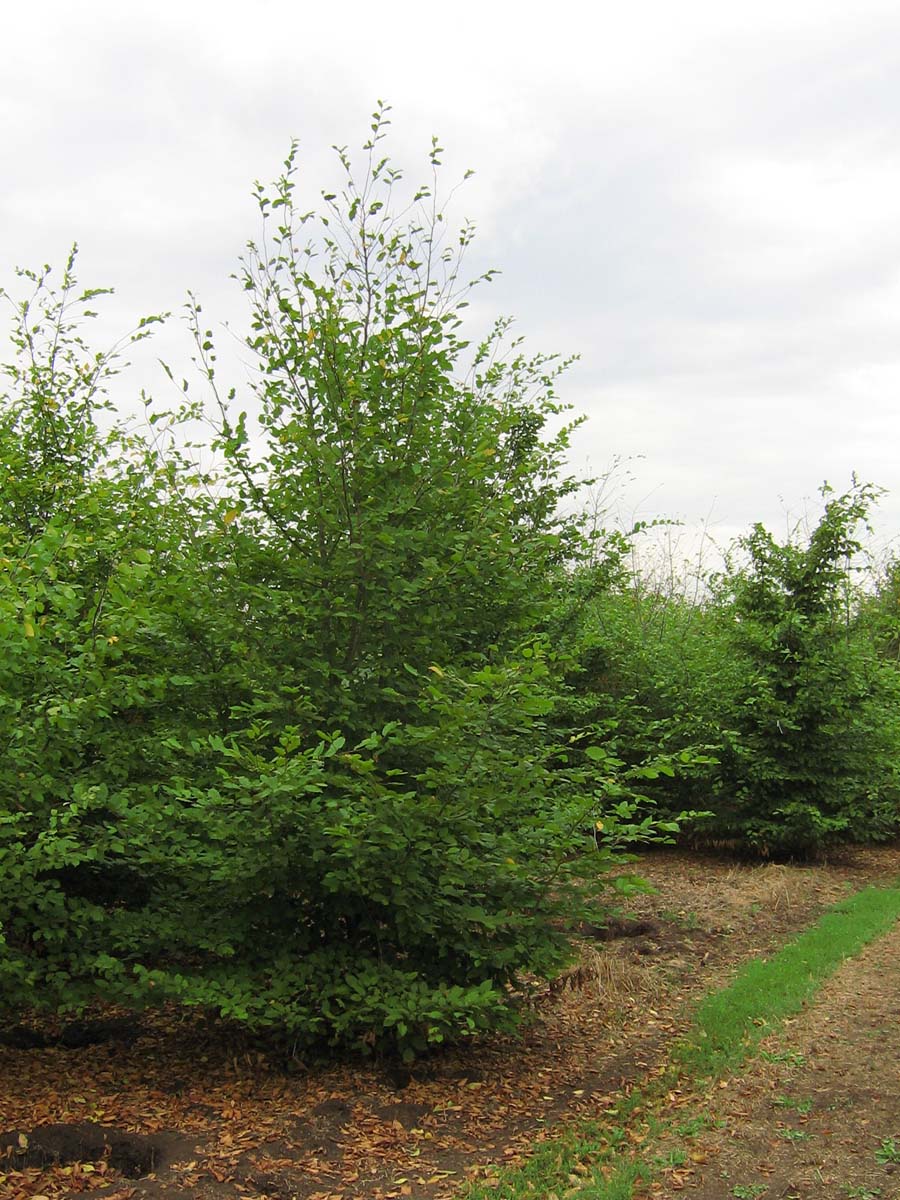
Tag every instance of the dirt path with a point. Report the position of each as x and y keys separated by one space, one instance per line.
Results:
x=221 y=1119
x=817 y=1114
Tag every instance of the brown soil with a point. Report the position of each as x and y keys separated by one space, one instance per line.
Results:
x=225 y=1120
x=818 y=1113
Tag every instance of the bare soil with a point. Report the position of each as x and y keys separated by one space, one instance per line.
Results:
x=817 y=1114
x=226 y=1120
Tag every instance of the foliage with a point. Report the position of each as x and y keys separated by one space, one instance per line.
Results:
x=880 y=610
x=397 y=490
x=773 y=693
x=643 y=663
x=279 y=736
x=92 y=675
x=888 y=1152
x=812 y=737
x=336 y=737
x=650 y=668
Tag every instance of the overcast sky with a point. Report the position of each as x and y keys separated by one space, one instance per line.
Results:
x=702 y=199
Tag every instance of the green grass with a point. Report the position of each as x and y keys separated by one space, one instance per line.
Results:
x=606 y=1162
x=783 y=1056
x=577 y=1157
x=730 y=1023
x=523 y=1185
x=793 y=1135
x=792 y=1103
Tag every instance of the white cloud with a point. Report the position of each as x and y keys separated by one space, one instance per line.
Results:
x=701 y=197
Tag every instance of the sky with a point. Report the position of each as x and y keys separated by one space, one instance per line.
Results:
x=702 y=200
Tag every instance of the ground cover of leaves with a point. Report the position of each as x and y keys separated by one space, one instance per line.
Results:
x=171 y=1107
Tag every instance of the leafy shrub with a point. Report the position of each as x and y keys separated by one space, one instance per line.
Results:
x=648 y=668
x=813 y=739
x=880 y=610
x=279 y=737
x=771 y=700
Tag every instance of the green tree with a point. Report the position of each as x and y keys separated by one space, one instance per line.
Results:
x=811 y=734
x=396 y=486
x=279 y=737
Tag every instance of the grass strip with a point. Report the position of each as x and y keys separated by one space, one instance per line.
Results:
x=606 y=1162
x=728 y=1024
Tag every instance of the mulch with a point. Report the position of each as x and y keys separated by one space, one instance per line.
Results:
x=226 y=1118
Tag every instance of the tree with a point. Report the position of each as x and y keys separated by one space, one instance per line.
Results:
x=402 y=480
x=283 y=750
x=811 y=735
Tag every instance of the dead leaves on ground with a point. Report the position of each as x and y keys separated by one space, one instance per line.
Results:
x=239 y=1125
